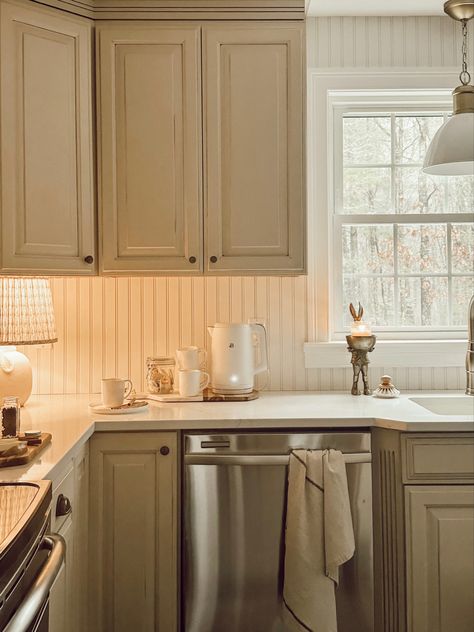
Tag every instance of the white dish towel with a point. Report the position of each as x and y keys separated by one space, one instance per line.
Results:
x=319 y=537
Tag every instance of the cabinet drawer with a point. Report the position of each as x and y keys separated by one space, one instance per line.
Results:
x=64 y=486
x=438 y=458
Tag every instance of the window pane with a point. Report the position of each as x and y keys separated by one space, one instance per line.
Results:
x=462 y=248
x=423 y=301
x=422 y=248
x=463 y=289
x=375 y=294
x=366 y=140
x=416 y=192
x=367 y=249
x=367 y=190
x=413 y=134
x=461 y=194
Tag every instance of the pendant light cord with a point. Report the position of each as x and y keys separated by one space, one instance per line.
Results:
x=464 y=76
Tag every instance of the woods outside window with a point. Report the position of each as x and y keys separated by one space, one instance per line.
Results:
x=402 y=241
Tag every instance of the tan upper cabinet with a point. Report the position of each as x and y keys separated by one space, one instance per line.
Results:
x=149 y=91
x=160 y=157
x=253 y=78
x=47 y=199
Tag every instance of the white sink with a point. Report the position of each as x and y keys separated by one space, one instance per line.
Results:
x=447 y=405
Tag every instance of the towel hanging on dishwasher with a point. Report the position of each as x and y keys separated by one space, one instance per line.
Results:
x=319 y=537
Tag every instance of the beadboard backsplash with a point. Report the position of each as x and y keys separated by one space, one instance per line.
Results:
x=108 y=326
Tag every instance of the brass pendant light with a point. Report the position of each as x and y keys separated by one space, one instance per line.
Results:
x=451 y=151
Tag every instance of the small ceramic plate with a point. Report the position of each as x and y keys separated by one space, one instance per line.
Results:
x=100 y=409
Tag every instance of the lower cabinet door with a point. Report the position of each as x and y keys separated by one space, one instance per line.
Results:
x=440 y=554
x=133 y=532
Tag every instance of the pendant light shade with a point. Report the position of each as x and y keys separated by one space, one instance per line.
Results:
x=451 y=152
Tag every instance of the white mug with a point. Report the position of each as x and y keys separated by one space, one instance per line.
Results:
x=192 y=382
x=114 y=391
x=189 y=358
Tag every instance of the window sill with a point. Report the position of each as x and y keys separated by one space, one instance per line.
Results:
x=389 y=353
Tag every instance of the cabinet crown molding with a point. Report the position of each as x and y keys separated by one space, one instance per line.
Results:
x=182 y=9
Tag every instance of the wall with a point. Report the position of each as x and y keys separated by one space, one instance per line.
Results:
x=107 y=327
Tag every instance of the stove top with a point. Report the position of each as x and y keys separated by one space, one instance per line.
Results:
x=16 y=500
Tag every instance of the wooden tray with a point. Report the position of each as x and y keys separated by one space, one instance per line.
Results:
x=32 y=453
x=209 y=396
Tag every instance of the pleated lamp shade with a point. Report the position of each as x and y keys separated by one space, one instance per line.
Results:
x=26 y=311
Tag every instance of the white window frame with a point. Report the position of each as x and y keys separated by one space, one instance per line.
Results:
x=327 y=91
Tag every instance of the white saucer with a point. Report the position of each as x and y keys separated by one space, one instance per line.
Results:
x=125 y=409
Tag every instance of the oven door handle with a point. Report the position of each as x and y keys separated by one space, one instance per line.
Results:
x=39 y=591
x=261 y=459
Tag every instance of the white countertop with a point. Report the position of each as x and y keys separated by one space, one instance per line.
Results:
x=68 y=419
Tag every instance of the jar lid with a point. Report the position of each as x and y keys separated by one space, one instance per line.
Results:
x=161 y=360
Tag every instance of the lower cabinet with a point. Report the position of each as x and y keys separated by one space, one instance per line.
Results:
x=440 y=558
x=68 y=599
x=133 y=531
x=423 y=531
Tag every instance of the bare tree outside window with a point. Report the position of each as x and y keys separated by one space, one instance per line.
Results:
x=407 y=238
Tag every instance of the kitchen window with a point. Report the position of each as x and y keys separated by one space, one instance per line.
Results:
x=402 y=241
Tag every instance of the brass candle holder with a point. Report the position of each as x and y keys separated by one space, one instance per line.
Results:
x=360 y=343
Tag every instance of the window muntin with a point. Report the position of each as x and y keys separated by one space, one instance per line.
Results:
x=403 y=241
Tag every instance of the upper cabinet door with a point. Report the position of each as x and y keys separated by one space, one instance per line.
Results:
x=254 y=150
x=47 y=199
x=149 y=89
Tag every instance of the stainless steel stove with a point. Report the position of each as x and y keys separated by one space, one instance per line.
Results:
x=30 y=557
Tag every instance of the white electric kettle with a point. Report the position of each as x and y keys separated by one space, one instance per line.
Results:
x=233 y=356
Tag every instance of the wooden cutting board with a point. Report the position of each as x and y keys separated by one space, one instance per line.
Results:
x=31 y=453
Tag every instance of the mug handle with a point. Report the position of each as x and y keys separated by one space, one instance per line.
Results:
x=204 y=380
x=128 y=390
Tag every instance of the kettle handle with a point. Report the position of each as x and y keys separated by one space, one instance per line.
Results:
x=261 y=334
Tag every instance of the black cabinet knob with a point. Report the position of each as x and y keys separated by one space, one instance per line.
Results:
x=213 y=259
x=89 y=259
x=192 y=259
x=63 y=506
x=164 y=450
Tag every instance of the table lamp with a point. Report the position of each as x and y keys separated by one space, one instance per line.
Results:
x=26 y=318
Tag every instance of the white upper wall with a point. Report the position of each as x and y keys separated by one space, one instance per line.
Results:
x=373 y=7
x=386 y=42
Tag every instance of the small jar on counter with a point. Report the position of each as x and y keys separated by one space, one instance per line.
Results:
x=160 y=375
x=10 y=417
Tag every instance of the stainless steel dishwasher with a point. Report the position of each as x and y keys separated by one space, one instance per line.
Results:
x=233 y=530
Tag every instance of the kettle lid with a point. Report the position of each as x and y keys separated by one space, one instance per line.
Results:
x=230 y=325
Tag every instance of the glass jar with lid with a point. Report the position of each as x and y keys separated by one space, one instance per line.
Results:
x=160 y=375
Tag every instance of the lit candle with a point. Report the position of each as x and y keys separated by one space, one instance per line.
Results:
x=358 y=327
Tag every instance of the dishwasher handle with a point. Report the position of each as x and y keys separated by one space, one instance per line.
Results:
x=261 y=459
x=39 y=591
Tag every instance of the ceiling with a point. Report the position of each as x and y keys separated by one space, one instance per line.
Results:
x=374 y=7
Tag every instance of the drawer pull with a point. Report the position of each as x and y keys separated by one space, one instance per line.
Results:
x=63 y=506
x=213 y=259
x=89 y=259
x=164 y=450
x=192 y=259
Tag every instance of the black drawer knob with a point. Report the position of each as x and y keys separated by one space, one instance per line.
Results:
x=164 y=450
x=63 y=506
x=192 y=260
x=213 y=259
x=89 y=259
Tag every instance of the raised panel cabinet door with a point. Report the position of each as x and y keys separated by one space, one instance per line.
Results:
x=254 y=196
x=149 y=147
x=440 y=554
x=133 y=530
x=47 y=199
